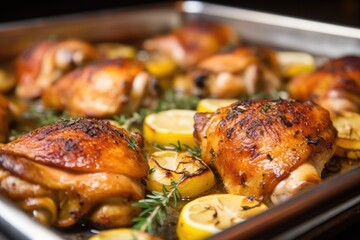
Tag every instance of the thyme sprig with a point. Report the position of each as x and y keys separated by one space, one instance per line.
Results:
x=134 y=119
x=36 y=116
x=173 y=100
x=131 y=142
x=155 y=207
x=43 y=116
x=194 y=151
x=170 y=100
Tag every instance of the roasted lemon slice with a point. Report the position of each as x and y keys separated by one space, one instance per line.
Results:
x=161 y=67
x=212 y=104
x=116 y=50
x=195 y=176
x=295 y=63
x=170 y=127
x=123 y=234
x=211 y=214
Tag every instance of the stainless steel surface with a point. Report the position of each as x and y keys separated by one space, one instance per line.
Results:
x=280 y=31
x=303 y=212
x=294 y=217
x=110 y=25
x=15 y=224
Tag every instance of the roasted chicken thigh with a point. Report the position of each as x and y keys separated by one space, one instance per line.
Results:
x=102 y=89
x=335 y=85
x=74 y=170
x=240 y=72
x=265 y=149
x=45 y=61
x=192 y=42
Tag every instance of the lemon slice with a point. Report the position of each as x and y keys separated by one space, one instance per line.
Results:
x=161 y=67
x=212 y=104
x=123 y=234
x=169 y=127
x=211 y=214
x=295 y=63
x=170 y=165
x=116 y=50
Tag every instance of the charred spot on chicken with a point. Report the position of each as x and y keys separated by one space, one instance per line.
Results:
x=274 y=147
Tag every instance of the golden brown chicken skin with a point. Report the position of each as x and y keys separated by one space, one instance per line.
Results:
x=193 y=41
x=335 y=85
x=102 y=89
x=74 y=170
x=239 y=72
x=256 y=144
x=45 y=61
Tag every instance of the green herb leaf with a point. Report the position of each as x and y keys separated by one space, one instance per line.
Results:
x=170 y=100
x=131 y=142
x=154 y=207
x=194 y=151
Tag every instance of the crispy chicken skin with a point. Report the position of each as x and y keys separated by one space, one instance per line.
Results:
x=74 y=170
x=102 y=89
x=45 y=61
x=257 y=144
x=242 y=71
x=334 y=86
x=192 y=42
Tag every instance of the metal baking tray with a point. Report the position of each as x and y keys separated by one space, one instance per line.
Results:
x=313 y=213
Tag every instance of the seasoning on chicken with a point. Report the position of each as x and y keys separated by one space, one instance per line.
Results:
x=192 y=42
x=334 y=86
x=242 y=71
x=102 y=89
x=267 y=149
x=74 y=170
x=45 y=61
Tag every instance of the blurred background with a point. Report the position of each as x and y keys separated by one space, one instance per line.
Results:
x=343 y=12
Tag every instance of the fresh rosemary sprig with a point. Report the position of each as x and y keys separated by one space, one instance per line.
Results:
x=194 y=151
x=154 y=207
